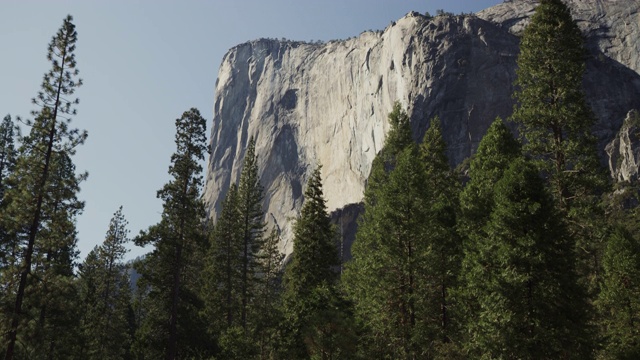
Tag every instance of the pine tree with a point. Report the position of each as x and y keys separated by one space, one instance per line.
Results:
x=30 y=208
x=313 y=268
x=497 y=149
x=223 y=271
x=386 y=278
x=314 y=251
x=7 y=153
x=171 y=269
x=528 y=303
x=556 y=120
x=619 y=299
x=252 y=226
x=268 y=293
x=444 y=258
x=7 y=164
x=106 y=295
x=235 y=272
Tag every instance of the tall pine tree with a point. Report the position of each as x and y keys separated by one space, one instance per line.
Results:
x=528 y=304
x=556 y=120
x=310 y=281
x=106 y=296
x=556 y=124
x=444 y=258
x=46 y=149
x=497 y=149
x=252 y=226
x=386 y=278
x=172 y=268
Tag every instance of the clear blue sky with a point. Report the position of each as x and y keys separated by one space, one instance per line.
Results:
x=144 y=63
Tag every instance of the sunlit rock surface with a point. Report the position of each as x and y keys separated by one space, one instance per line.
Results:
x=311 y=104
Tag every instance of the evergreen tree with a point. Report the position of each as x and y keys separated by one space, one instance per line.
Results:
x=252 y=226
x=7 y=153
x=528 y=303
x=556 y=120
x=619 y=299
x=171 y=270
x=237 y=279
x=386 y=278
x=223 y=271
x=497 y=149
x=106 y=295
x=41 y=204
x=444 y=257
x=268 y=295
x=7 y=164
x=311 y=271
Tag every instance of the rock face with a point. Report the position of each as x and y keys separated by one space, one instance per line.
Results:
x=326 y=104
x=624 y=150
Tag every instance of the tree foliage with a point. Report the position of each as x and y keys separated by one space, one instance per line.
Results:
x=619 y=299
x=310 y=282
x=105 y=296
x=40 y=209
x=529 y=305
x=173 y=327
x=406 y=254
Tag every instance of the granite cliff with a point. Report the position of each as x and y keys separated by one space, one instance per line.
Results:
x=309 y=104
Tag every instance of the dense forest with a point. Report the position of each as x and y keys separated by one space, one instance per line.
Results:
x=525 y=251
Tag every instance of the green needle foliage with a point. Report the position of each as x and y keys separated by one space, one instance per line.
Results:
x=223 y=270
x=443 y=189
x=556 y=120
x=173 y=328
x=556 y=125
x=242 y=270
x=40 y=209
x=7 y=164
x=619 y=299
x=406 y=254
x=528 y=303
x=106 y=296
x=250 y=196
x=7 y=152
x=313 y=309
x=497 y=149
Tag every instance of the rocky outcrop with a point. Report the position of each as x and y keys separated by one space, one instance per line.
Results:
x=611 y=27
x=326 y=104
x=624 y=150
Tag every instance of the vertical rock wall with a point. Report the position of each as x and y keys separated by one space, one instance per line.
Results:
x=311 y=104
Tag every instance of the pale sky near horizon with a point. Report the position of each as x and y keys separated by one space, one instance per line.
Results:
x=144 y=63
